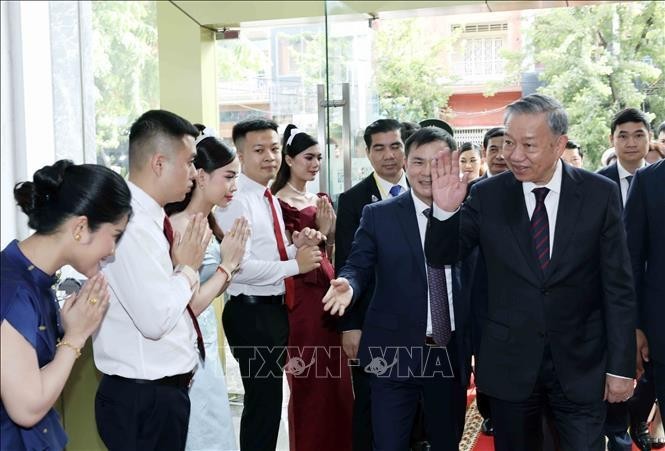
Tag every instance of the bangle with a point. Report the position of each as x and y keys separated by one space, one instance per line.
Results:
x=70 y=346
x=224 y=269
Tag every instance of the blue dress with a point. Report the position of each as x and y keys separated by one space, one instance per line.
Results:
x=29 y=305
x=210 y=420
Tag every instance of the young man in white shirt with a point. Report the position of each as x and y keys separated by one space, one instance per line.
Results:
x=255 y=318
x=630 y=135
x=146 y=347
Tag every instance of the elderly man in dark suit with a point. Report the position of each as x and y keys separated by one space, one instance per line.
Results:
x=560 y=327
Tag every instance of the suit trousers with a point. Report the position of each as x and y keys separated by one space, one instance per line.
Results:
x=362 y=412
x=518 y=424
x=258 y=335
x=141 y=417
x=395 y=403
x=659 y=379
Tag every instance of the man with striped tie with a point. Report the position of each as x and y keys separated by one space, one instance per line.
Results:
x=561 y=314
x=415 y=338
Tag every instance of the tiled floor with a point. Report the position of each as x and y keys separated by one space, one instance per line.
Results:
x=236 y=391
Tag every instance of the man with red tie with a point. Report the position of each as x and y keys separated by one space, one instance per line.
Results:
x=146 y=347
x=255 y=317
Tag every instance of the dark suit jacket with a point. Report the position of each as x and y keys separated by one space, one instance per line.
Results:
x=612 y=173
x=349 y=210
x=644 y=218
x=387 y=248
x=583 y=306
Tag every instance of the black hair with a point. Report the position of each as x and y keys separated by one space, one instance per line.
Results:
x=427 y=135
x=408 y=129
x=65 y=189
x=469 y=146
x=211 y=154
x=661 y=129
x=495 y=132
x=573 y=145
x=380 y=126
x=152 y=124
x=299 y=143
x=629 y=115
x=241 y=129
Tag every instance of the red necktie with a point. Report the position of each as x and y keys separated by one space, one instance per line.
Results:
x=289 y=284
x=168 y=232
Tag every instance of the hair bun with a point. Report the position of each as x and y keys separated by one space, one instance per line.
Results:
x=46 y=182
x=49 y=178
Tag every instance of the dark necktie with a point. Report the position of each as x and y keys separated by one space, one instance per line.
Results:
x=629 y=178
x=168 y=232
x=438 y=302
x=395 y=190
x=540 y=228
x=289 y=284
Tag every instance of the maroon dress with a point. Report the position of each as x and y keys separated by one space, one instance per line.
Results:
x=321 y=402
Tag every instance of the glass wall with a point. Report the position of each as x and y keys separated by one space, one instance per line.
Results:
x=126 y=73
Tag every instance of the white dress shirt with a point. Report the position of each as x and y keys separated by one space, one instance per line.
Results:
x=262 y=273
x=384 y=185
x=551 y=200
x=623 y=181
x=422 y=228
x=147 y=332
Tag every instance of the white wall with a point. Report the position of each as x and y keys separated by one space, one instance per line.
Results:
x=47 y=95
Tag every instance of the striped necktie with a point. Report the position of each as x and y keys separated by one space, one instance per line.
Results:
x=540 y=228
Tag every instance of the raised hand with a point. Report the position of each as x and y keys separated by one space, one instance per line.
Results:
x=448 y=189
x=307 y=237
x=325 y=216
x=189 y=248
x=232 y=247
x=308 y=258
x=338 y=297
x=82 y=312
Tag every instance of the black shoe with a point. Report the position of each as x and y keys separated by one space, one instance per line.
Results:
x=486 y=427
x=640 y=435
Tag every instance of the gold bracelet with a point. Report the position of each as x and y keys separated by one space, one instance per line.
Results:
x=70 y=346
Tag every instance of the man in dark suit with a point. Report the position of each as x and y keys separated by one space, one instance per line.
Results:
x=491 y=151
x=644 y=218
x=560 y=327
x=415 y=339
x=385 y=151
x=630 y=132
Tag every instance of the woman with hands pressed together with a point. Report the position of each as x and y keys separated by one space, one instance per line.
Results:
x=313 y=335
x=78 y=212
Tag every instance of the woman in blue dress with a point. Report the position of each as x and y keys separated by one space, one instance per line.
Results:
x=210 y=421
x=78 y=213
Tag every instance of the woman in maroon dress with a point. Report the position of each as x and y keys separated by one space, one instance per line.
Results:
x=321 y=403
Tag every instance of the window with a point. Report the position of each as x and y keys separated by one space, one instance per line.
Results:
x=479 y=58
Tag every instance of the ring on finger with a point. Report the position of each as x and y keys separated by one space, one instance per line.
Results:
x=92 y=301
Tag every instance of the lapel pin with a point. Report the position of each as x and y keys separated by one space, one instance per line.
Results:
x=374 y=198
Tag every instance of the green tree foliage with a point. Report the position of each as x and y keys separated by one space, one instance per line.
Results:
x=126 y=72
x=597 y=60
x=409 y=68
